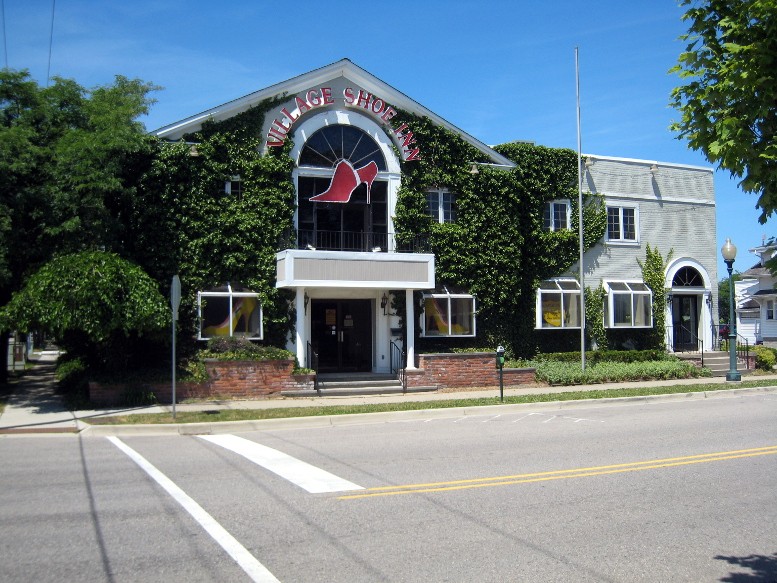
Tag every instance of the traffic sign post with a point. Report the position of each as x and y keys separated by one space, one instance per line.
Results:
x=175 y=302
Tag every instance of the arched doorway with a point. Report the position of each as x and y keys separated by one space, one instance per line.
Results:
x=688 y=293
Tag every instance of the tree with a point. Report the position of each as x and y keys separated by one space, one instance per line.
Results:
x=727 y=101
x=724 y=298
x=95 y=304
x=69 y=161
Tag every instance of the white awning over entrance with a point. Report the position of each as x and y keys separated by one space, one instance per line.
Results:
x=338 y=269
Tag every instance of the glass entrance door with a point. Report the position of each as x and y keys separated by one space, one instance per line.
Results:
x=685 y=321
x=341 y=332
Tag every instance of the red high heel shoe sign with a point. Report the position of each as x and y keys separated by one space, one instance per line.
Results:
x=321 y=97
x=345 y=180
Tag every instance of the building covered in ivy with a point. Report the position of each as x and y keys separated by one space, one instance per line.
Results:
x=333 y=213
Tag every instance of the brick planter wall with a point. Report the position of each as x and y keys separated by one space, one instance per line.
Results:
x=463 y=370
x=228 y=379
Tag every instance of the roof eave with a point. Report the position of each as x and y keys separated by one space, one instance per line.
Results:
x=345 y=68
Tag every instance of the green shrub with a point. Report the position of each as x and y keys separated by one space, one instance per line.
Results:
x=567 y=373
x=236 y=348
x=70 y=374
x=194 y=371
x=596 y=356
x=765 y=358
x=137 y=396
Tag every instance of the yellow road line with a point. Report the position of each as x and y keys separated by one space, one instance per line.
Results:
x=560 y=474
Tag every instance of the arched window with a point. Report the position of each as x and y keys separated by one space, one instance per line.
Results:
x=331 y=144
x=342 y=197
x=687 y=277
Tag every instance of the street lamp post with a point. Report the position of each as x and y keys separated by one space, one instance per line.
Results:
x=729 y=252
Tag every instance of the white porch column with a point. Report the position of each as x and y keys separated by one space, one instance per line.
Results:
x=410 y=318
x=299 y=304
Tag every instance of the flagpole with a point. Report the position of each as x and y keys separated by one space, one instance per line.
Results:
x=580 y=213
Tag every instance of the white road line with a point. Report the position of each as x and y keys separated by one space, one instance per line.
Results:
x=313 y=479
x=526 y=416
x=491 y=418
x=253 y=568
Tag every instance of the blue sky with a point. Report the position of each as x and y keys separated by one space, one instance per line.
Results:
x=500 y=70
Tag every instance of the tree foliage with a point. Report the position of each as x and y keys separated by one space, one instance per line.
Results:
x=70 y=159
x=724 y=298
x=69 y=163
x=727 y=100
x=90 y=302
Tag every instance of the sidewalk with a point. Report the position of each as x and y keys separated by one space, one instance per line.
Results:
x=34 y=407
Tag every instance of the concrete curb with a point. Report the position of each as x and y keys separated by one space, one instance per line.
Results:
x=390 y=416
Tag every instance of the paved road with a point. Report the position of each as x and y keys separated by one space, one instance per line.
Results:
x=681 y=491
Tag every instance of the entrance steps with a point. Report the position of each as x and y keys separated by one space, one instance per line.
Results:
x=717 y=362
x=355 y=384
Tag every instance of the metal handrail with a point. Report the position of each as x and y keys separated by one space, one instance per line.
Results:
x=397 y=363
x=374 y=241
x=312 y=363
x=742 y=353
x=694 y=338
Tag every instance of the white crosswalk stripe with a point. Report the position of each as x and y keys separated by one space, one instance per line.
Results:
x=306 y=476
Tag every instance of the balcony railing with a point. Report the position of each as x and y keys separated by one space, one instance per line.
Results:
x=377 y=242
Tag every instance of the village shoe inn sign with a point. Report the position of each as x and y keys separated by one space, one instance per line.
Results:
x=358 y=99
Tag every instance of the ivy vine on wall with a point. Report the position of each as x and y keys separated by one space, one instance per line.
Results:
x=653 y=274
x=498 y=248
x=211 y=237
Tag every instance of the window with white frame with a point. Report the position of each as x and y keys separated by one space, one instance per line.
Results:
x=629 y=304
x=555 y=215
x=448 y=315
x=441 y=205
x=228 y=312
x=770 y=309
x=622 y=224
x=558 y=304
x=234 y=187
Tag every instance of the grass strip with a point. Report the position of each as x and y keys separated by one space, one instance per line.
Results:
x=217 y=415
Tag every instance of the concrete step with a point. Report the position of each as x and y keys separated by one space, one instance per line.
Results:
x=357 y=384
x=718 y=362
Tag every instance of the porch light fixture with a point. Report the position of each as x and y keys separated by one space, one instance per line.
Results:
x=654 y=169
x=384 y=303
x=307 y=301
x=729 y=252
x=589 y=161
x=474 y=169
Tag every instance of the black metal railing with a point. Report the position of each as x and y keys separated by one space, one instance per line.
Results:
x=397 y=363
x=375 y=241
x=312 y=363
x=742 y=348
x=686 y=340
